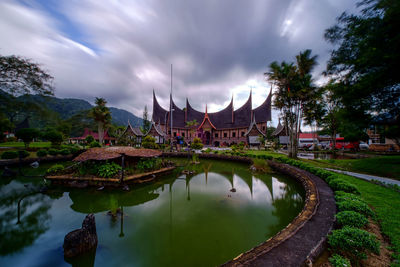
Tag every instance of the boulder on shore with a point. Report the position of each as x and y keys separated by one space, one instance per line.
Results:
x=81 y=240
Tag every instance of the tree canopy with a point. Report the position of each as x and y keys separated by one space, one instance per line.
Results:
x=19 y=75
x=365 y=60
x=101 y=114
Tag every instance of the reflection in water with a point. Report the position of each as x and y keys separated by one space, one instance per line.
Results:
x=24 y=217
x=180 y=220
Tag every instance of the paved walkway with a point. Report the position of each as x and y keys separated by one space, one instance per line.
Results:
x=366 y=176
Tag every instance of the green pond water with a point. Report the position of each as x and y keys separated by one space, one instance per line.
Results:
x=175 y=221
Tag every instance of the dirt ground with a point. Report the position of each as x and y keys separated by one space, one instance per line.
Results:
x=373 y=260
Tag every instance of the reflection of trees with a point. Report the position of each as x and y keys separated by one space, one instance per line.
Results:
x=33 y=207
x=287 y=205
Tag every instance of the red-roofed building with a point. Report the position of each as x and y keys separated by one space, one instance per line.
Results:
x=107 y=139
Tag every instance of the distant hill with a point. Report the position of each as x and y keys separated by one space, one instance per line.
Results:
x=68 y=107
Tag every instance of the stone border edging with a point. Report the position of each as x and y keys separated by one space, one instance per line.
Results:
x=305 y=237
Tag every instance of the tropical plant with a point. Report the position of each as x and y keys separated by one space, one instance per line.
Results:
x=295 y=90
x=53 y=151
x=196 y=144
x=108 y=170
x=149 y=142
x=101 y=114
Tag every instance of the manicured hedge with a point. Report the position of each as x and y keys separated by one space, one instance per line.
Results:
x=41 y=153
x=9 y=155
x=351 y=218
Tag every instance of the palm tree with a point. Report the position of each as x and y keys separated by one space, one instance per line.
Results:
x=295 y=90
x=101 y=114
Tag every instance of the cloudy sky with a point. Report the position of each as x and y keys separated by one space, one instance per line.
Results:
x=121 y=49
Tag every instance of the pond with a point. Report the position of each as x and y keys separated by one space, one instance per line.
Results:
x=326 y=156
x=178 y=220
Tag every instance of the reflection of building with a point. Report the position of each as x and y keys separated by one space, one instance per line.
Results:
x=224 y=127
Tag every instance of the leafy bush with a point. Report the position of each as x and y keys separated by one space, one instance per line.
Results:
x=353 y=240
x=351 y=218
x=74 y=149
x=95 y=144
x=149 y=164
x=341 y=196
x=149 y=142
x=24 y=153
x=89 y=139
x=215 y=151
x=54 y=137
x=108 y=170
x=197 y=144
x=41 y=153
x=53 y=151
x=88 y=167
x=208 y=150
x=342 y=185
x=11 y=139
x=65 y=151
x=55 y=169
x=9 y=155
x=339 y=261
x=355 y=205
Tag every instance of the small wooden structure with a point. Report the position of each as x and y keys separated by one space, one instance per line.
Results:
x=124 y=155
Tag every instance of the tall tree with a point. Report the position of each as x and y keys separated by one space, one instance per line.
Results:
x=365 y=60
x=19 y=75
x=101 y=114
x=146 y=122
x=295 y=90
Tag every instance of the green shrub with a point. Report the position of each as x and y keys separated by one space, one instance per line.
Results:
x=74 y=149
x=341 y=196
x=355 y=205
x=24 y=153
x=149 y=142
x=95 y=144
x=353 y=240
x=342 y=185
x=9 y=155
x=215 y=151
x=208 y=150
x=197 y=144
x=41 y=153
x=339 y=261
x=108 y=170
x=55 y=169
x=149 y=164
x=88 y=167
x=53 y=151
x=351 y=218
x=65 y=151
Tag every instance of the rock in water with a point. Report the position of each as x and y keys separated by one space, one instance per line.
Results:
x=81 y=240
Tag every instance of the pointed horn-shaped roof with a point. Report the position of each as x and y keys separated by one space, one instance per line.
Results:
x=263 y=112
x=159 y=113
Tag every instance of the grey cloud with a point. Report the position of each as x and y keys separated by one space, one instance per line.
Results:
x=214 y=46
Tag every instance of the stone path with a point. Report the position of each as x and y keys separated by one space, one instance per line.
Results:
x=366 y=176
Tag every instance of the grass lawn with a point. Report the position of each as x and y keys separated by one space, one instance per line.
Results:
x=386 y=166
x=22 y=145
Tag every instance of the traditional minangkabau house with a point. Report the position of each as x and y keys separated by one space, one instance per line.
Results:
x=134 y=134
x=224 y=127
x=156 y=131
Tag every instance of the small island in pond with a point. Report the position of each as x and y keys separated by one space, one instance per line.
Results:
x=111 y=166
